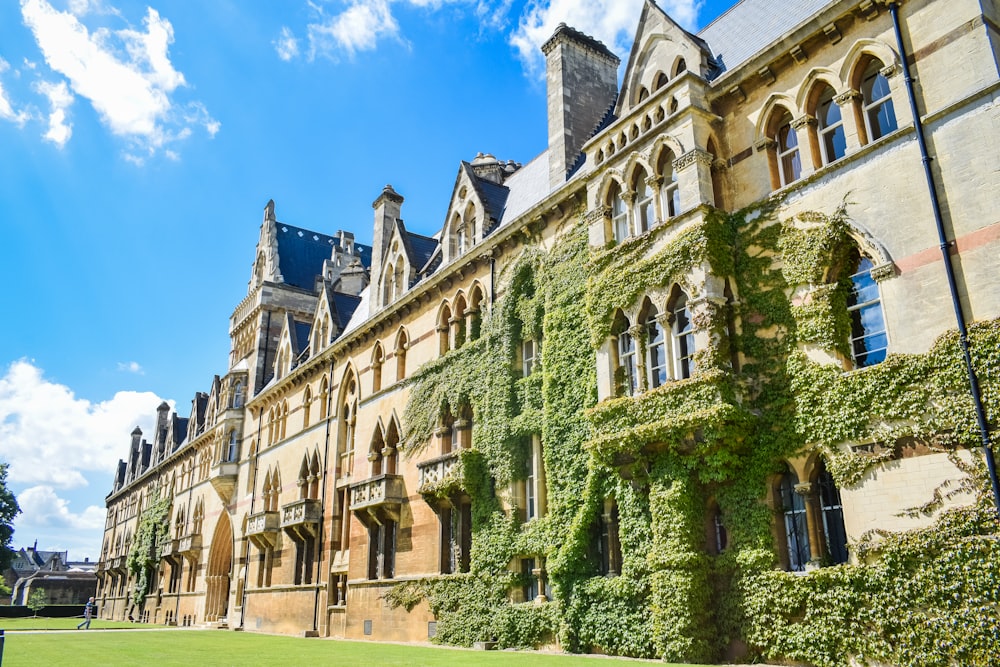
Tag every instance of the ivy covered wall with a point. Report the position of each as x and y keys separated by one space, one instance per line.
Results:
x=664 y=457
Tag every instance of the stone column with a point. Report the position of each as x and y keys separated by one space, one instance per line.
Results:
x=694 y=178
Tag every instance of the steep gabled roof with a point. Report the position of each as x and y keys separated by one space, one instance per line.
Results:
x=749 y=26
x=343 y=307
x=418 y=248
x=301 y=254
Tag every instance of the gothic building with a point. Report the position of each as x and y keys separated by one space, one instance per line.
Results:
x=652 y=392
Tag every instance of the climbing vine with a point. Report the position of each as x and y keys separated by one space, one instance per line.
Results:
x=144 y=553
x=663 y=458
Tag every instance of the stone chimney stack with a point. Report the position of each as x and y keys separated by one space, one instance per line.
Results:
x=387 y=207
x=581 y=78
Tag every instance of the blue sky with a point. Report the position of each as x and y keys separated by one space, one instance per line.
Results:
x=139 y=143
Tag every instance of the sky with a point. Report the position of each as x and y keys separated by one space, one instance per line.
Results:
x=139 y=144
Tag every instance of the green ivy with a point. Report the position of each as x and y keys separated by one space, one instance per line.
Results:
x=926 y=597
x=144 y=553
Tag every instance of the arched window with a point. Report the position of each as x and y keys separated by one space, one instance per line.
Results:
x=627 y=374
x=324 y=396
x=830 y=126
x=669 y=193
x=391 y=447
x=659 y=81
x=306 y=406
x=457 y=322
x=619 y=214
x=401 y=343
x=683 y=338
x=787 y=146
x=238 y=394
x=681 y=67
x=398 y=280
x=444 y=329
x=832 y=511
x=378 y=357
x=645 y=213
x=864 y=306
x=795 y=522
x=233 y=453
x=656 y=350
x=375 y=452
x=876 y=101
x=475 y=314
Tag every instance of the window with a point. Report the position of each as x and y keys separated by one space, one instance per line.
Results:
x=444 y=330
x=401 y=344
x=238 y=395
x=627 y=371
x=233 y=453
x=382 y=550
x=528 y=352
x=530 y=575
x=338 y=590
x=645 y=213
x=864 y=306
x=683 y=339
x=378 y=357
x=304 y=548
x=606 y=549
x=832 y=140
x=531 y=491
x=796 y=529
x=669 y=193
x=456 y=537
x=787 y=141
x=832 y=512
x=619 y=215
x=306 y=406
x=656 y=351
x=876 y=101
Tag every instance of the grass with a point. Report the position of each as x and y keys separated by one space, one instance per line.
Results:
x=183 y=647
x=43 y=623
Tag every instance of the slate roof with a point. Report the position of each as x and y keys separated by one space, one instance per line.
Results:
x=301 y=333
x=526 y=187
x=749 y=26
x=343 y=307
x=301 y=254
x=494 y=197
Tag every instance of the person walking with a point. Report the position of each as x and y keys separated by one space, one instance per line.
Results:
x=88 y=613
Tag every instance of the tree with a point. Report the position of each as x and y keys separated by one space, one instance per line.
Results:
x=37 y=601
x=8 y=510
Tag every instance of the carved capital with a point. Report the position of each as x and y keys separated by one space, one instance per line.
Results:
x=692 y=157
x=805 y=120
x=764 y=143
x=890 y=70
x=883 y=272
x=847 y=97
x=804 y=489
x=598 y=214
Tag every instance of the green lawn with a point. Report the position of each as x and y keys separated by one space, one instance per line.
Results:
x=182 y=647
x=43 y=623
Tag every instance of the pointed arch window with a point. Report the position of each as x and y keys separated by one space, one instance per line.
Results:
x=238 y=395
x=669 y=192
x=787 y=141
x=401 y=344
x=682 y=332
x=656 y=350
x=628 y=375
x=306 y=406
x=832 y=140
x=378 y=357
x=876 y=101
x=645 y=212
x=233 y=452
x=795 y=522
x=832 y=512
x=619 y=214
x=869 y=342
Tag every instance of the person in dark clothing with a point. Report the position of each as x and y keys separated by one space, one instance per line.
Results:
x=88 y=613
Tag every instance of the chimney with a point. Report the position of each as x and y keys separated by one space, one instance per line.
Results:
x=387 y=207
x=581 y=78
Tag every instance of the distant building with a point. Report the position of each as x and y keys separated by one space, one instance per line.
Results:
x=64 y=581
x=640 y=393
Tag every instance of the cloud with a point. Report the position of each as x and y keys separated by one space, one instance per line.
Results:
x=60 y=100
x=611 y=21
x=6 y=107
x=357 y=28
x=287 y=46
x=125 y=74
x=131 y=367
x=43 y=422
x=42 y=508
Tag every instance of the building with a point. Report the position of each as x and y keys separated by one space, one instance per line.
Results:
x=685 y=385
x=63 y=581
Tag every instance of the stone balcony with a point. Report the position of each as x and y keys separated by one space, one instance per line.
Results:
x=170 y=549
x=262 y=529
x=441 y=476
x=223 y=476
x=378 y=498
x=189 y=546
x=117 y=564
x=301 y=518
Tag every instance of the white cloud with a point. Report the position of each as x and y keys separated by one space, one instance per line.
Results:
x=60 y=100
x=41 y=507
x=610 y=21
x=50 y=437
x=6 y=106
x=286 y=45
x=125 y=74
x=130 y=367
x=357 y=28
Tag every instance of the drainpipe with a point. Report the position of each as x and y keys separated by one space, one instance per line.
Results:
x=322 y=505
x=945 y=245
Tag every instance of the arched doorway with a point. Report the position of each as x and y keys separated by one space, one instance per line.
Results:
x=220 y=565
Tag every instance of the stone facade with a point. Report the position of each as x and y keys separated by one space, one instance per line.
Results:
x=297 y=505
